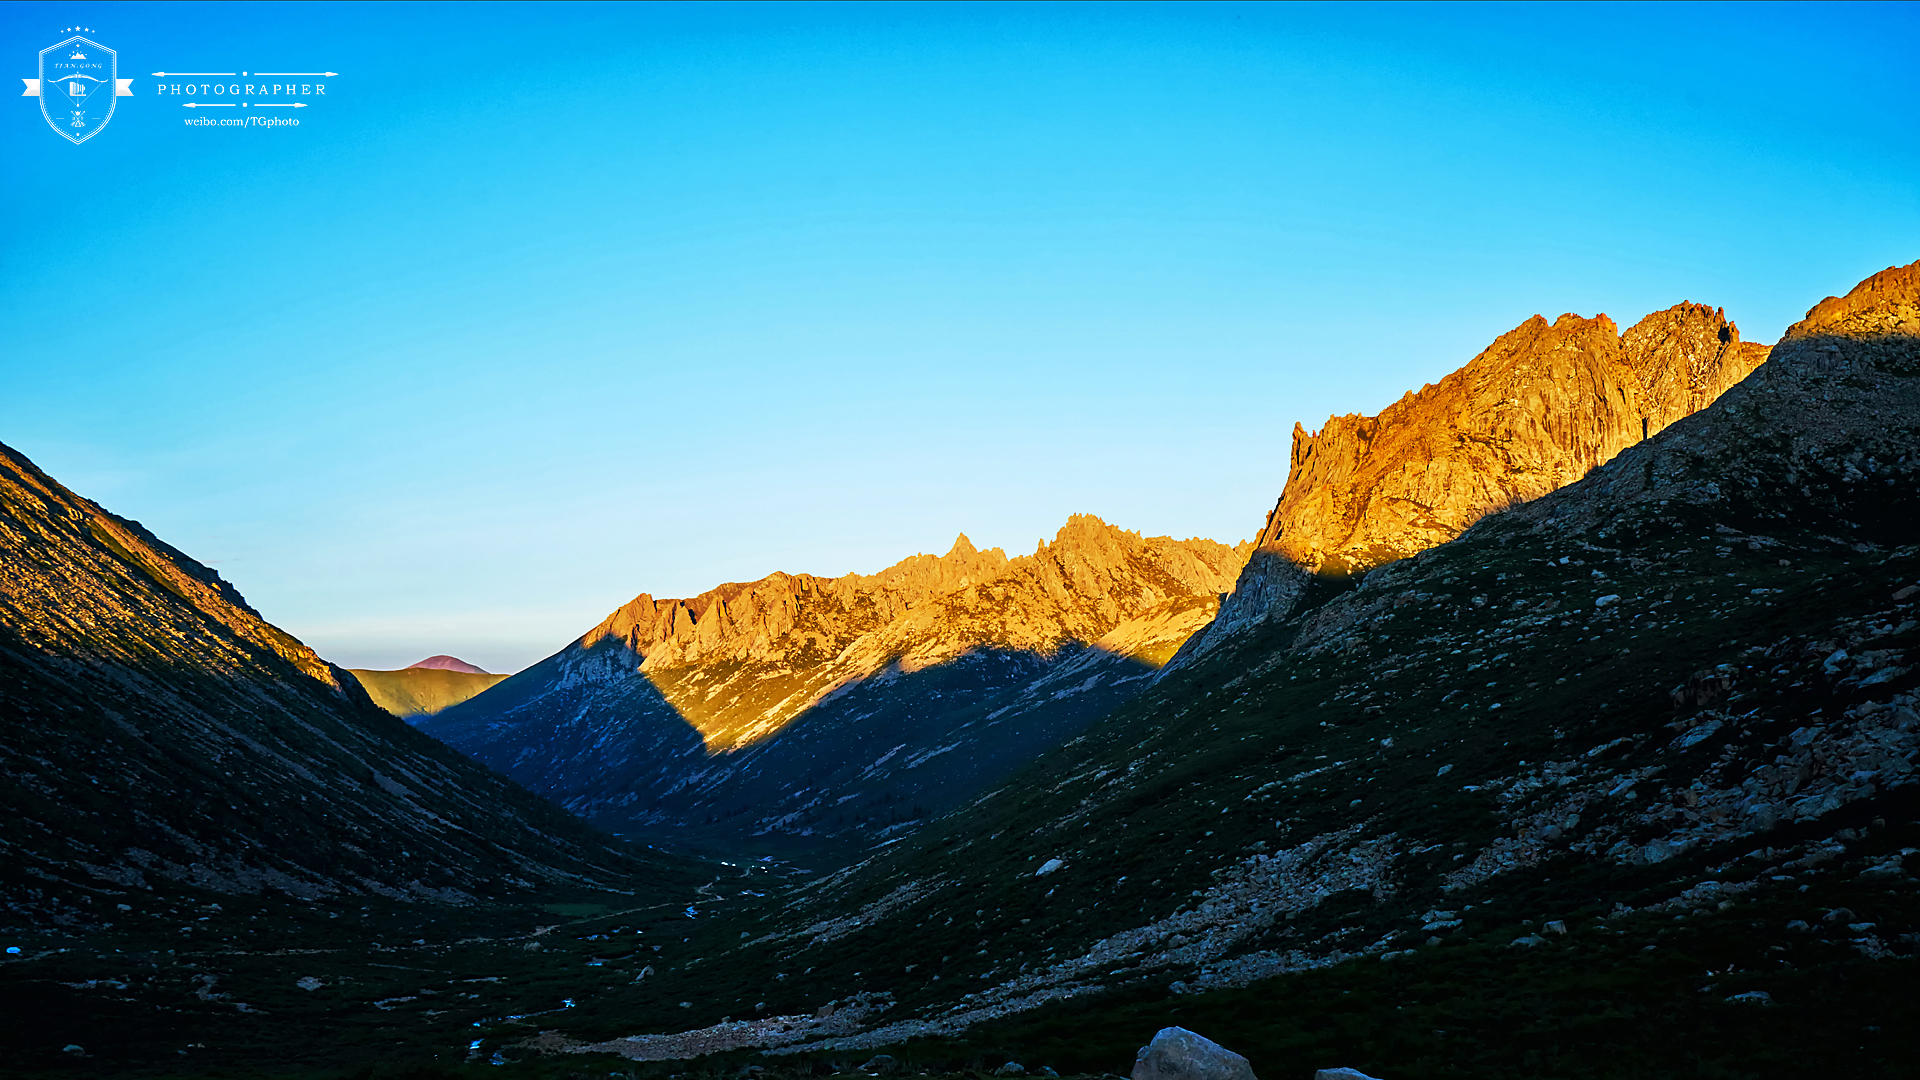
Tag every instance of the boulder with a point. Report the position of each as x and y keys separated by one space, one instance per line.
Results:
x=1341 y=1074
x=1178 y=1054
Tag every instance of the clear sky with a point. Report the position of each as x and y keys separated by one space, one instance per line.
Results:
x=545 y=306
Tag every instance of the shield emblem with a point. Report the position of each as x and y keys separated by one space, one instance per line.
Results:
x=77 y=87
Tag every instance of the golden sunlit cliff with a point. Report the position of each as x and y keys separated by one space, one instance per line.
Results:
x=741 y=660
x=1540 y=408
x=806 y=711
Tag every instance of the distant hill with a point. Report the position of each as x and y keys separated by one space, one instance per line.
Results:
x=450 y=663
x=799 y=712
x=423 y=690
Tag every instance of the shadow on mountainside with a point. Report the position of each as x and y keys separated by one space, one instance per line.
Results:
x=1817 y=432
x=802 y=713
x=867 y=762
x=127 y=773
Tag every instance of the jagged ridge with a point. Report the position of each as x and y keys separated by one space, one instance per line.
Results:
x=1541 y=407
x=814 y=691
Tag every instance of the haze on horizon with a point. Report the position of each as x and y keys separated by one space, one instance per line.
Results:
x=552 y=305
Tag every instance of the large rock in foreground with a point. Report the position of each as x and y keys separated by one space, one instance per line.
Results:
x=1178 y=1054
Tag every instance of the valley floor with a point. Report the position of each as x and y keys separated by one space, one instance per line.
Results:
x=1587 y=881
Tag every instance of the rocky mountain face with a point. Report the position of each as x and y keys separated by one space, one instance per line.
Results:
x=802 y=709
x=1617 y=782
x=420 y=690
x=1538 y=409
x=159 y=730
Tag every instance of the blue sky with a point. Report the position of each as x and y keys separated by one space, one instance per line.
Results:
x=545 y=306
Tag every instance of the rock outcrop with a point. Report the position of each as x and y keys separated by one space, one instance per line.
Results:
x=1831 y=411
x=1874 y=325
x=1538 y=409
x=804 y=705
x=740 y=661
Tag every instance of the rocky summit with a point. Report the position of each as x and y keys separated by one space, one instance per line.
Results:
x=1540 y=408
x=798 y=710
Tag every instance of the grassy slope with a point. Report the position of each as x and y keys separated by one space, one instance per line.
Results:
x=197 y=984
x=1597 y=1003
x=1642 y=995
x=175 y=773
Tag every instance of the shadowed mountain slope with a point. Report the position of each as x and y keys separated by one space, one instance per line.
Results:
x=1618 y=783
x=156 y=728
x=805 y=710
x=1538 y=409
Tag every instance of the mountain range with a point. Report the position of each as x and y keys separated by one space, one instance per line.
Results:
x=1619 y=781
x=1560 y=722
x=797 y=712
